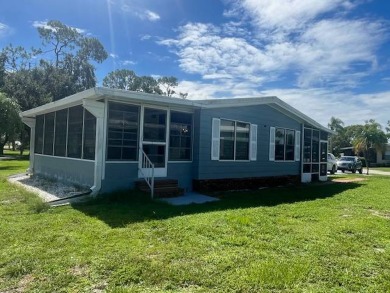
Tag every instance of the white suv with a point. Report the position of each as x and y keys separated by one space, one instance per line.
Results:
x=332 y=163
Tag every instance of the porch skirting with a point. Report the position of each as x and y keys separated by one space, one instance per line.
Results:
x=210 y=185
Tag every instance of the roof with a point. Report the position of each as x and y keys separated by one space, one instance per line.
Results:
x=98 y=93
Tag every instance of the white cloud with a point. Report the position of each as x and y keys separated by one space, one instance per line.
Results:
x=152 y=16
x=113 y=56
x=137 y=10
x=127 y=62
x=145 y=37
x=5 y=30
x=44 y=24
x=320 y=51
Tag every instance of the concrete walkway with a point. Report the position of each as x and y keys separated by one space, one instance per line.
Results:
x=189 y=198
x=378 y=172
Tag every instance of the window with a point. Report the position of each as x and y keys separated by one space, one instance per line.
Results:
x=227 y=137
x=122 y=140
x=49 y=134
x=234 y=140
x=40 y=121
x=89 y=135
x=180 y=136
x=284 y=144
x=61 y=133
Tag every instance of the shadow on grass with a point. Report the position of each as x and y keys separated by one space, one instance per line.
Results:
x=122 y=208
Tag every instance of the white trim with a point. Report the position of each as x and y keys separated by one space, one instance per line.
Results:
x=158 y=171
x=215 y=139
x=253 y=142
x=31 y=122
x=60 y=157
x=297 y=146
x=271 y=154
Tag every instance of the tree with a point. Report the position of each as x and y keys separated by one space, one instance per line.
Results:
x=73 y=57
x=168 y=83
x=122 y=79
x=369 y=136
x=127 y=80
x=336 y=125
x=10 y=122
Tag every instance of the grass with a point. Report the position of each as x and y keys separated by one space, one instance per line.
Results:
x=314 y=238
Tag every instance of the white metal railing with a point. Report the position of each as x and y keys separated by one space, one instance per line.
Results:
x=146 y=163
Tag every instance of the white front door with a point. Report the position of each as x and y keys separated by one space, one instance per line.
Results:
x=154 y=140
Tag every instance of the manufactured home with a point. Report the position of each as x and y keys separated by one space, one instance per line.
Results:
x=109 y=139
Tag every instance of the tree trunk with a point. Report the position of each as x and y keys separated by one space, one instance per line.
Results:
x=367 y=162
x=2 y=149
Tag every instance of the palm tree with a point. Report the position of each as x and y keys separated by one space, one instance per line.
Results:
x=371 y=136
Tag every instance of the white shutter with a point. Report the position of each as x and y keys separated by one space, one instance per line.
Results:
x=215 y=139
x=253 y=143
x=272 y=143
x=297 y=145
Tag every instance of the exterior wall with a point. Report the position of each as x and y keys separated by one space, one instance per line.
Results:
x=65 y=169
x=122 y=176
x=119 y=176
x=383 y=157
x=262 y=115
x=182 y=172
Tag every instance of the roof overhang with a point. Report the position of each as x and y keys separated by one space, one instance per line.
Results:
x=99 y=93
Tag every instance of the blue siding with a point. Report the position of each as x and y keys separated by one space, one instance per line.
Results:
x=65 y=169
x=262 y=115
x=119 y=176
x=181 y=172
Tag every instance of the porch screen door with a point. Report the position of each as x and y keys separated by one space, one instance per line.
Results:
x=154 y=140
x=323 y=160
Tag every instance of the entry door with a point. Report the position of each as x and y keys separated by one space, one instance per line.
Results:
x=323 y=160
x=154 y=140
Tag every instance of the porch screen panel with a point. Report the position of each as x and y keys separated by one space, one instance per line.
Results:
x=39 y=134
x=89 y=136
x=61 y=133
x=180 y=136
x=75 y=132
x=49 y=134
x=123 y=124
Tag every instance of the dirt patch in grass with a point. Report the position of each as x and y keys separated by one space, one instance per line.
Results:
x=348 y=180
x=382 y=214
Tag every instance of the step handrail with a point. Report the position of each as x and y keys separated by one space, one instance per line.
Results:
x=146 y=163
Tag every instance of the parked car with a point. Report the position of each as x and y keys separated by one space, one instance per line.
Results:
x=332 y=163
x=350 y=163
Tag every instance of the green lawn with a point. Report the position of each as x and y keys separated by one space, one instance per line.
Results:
x=315 y=238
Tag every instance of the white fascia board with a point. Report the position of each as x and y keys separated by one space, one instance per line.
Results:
x=70 y=101
x=130 y=96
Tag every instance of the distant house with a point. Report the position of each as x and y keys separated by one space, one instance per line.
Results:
x=383 y=156
x=108 y=139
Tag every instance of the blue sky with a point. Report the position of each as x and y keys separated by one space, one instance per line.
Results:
x=326 y=57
